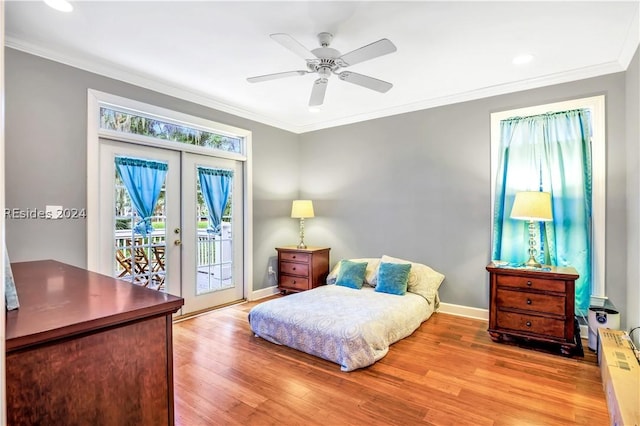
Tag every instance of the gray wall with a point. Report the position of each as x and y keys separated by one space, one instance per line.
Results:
x=46 y=160
x=414 y=185
x=417 y=186
x=633 y=195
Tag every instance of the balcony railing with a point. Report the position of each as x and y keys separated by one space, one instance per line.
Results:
x=141 y=260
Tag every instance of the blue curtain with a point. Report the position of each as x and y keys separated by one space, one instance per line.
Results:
x=143 y=180
x=215 y=185
x=551 y=153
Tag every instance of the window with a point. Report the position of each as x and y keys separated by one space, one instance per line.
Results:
x=596 y=107
x=120 y=120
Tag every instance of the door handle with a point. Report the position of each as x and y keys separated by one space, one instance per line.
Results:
x=177 y=242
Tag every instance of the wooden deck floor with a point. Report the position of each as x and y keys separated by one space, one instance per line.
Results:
x=446 y=373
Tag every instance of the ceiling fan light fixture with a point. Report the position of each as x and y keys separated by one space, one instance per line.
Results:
x=60 y=5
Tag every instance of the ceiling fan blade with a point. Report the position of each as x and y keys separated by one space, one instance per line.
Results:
x=365 y=81
x=370 y=51
x=293 y=45
x=277 y=75
x=317 y=93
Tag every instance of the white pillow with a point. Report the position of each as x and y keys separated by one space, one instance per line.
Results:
x=369 y=275
x=422 y=279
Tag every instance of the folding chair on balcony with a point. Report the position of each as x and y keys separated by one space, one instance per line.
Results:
x=157 y=268
x=136 y=269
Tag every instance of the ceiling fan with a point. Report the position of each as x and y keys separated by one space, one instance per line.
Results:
x=325 y=61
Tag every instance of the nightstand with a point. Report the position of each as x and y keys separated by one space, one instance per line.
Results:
x=535 y=305
x=302 y=269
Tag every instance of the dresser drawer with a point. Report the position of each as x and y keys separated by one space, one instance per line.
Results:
x=531 y=324
x=297 y=283
x=544 y=303
x=531 y=283
x=295 y=257
x=294 y=268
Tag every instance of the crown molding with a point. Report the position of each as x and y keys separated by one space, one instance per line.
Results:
x=486 y=92
x=631 y=42
x=97 y=66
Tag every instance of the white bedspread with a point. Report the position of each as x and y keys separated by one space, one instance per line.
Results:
x=352 y=328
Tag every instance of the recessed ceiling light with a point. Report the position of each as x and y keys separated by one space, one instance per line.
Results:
x=522 y=59
x=61 y=5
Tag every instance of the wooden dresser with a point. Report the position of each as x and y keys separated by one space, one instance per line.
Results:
x=302 y=269
x=85 y=348
x=533 y=305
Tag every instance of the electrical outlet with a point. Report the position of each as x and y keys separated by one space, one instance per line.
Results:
x=271 y=272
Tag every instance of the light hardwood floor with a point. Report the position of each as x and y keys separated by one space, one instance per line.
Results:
x=448 y=372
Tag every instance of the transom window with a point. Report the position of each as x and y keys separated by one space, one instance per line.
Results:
x=121 y=120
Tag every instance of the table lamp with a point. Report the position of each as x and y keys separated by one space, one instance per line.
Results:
x=532 y=206
x=302 y=209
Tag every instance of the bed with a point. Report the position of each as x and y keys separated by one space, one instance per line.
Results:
x=350 y=325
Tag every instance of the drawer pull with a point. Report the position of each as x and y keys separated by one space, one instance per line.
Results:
x=294 y=256
x=529 y=283
x=528 y=301
x=528 y=323
x=294 y=268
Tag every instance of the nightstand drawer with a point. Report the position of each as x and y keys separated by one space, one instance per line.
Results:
x=543 y=303
x=302 y=269
x=534 y=305
x=295 y=257
x=297 y=283
x=531 y=283
x=531 y=324
x=294 y=268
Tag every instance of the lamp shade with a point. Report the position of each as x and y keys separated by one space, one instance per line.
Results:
x=302 y=209
x=532 y=205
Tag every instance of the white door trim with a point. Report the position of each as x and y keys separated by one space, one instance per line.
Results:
x=94 y=100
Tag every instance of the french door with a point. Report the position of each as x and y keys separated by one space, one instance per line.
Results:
x=212 y=272
x=185 y=251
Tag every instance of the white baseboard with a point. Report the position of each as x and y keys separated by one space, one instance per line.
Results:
x=584 y=331
x=263 y=292
x=464 y=311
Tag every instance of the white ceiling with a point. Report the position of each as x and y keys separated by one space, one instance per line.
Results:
x=448 y=52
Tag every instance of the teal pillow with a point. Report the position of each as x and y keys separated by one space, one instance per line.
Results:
x=351 y=274
x=393 y=278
